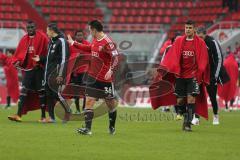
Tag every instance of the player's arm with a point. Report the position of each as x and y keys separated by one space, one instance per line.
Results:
x=111 y=49
x=217 y=57
x=62 y=59
x=83 y=47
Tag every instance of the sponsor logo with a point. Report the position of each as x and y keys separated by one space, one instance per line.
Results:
x=188 y=53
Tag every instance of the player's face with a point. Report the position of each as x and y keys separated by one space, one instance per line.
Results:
x=92 y=32
x=31 y=29
x=79 y=37
x=189 y=30
x=9 y=54
x=201 y=35
x=49 y=33
x=237 y=45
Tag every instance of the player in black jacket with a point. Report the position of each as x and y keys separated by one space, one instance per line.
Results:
x=55 y=70
x=216 y=65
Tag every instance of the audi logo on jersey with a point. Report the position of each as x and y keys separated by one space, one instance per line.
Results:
x=188 y=53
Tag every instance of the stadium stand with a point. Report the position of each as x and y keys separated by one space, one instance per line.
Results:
x=70 y=14
x=204 y=12
x=11 y=14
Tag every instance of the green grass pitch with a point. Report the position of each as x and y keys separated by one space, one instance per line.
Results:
x=139 y=137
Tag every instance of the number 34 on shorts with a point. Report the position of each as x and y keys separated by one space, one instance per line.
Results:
x=108 y=90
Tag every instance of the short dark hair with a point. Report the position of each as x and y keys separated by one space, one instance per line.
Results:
x=96 y=25
x=202 y=29
x=190 y=22
x=53 y=26
x=30 y=21
x=77 y=31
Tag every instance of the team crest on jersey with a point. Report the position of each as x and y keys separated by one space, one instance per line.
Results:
x=100 y=48
x=31 y=49
x=95 y=54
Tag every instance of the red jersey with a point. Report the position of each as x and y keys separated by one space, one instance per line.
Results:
x=102 y=52
x=84 y=68
x=188 y=60
x=28 y=63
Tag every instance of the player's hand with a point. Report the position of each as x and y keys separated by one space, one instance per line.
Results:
x=59 y=80
x=36 y=58
x=108 y=75
x=70 y=40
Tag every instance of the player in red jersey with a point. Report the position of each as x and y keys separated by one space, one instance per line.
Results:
x=100 y=80
x=32 y=94
x=189 y=63
x=77 y=77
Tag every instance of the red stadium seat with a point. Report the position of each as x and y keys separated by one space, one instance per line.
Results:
x=45 y=10
x=18 y=9
x=126 y=5
x=160 y=12
x=61 y=25
x=38 y=2
x=133 y=12
x=53 y=18
x=157 y=20
x=122 y=19
x=149 y=19
x=24 y=16
x=142 y=12
x=162 y=5
x=166 y=20
x=144 y=4
x=151 y=12
x=168 y=12
x=152 y=5
x=16 y=16
x=7 y=16
x=130 y=19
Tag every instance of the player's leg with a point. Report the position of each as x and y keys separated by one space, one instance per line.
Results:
x=42 y=100
x=226 y=106
x=22 y=98
x=51 y=101
x=212 y=92
x=65 y=106
x=26 y=84
x=84 y=103
x=179 y=112
x=192 y=91
x=76 y=101
x=91 y=93
x=39 y=74
x=231 y=104
x=181 y=93
x=88 y=114
x=112 y=104
x=8 y=102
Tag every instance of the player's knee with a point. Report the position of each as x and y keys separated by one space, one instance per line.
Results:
x=90 y=102
x=111 y=103
x=180 y=101
x=191 y=99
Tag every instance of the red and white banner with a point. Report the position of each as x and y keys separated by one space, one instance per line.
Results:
x=139 y=97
